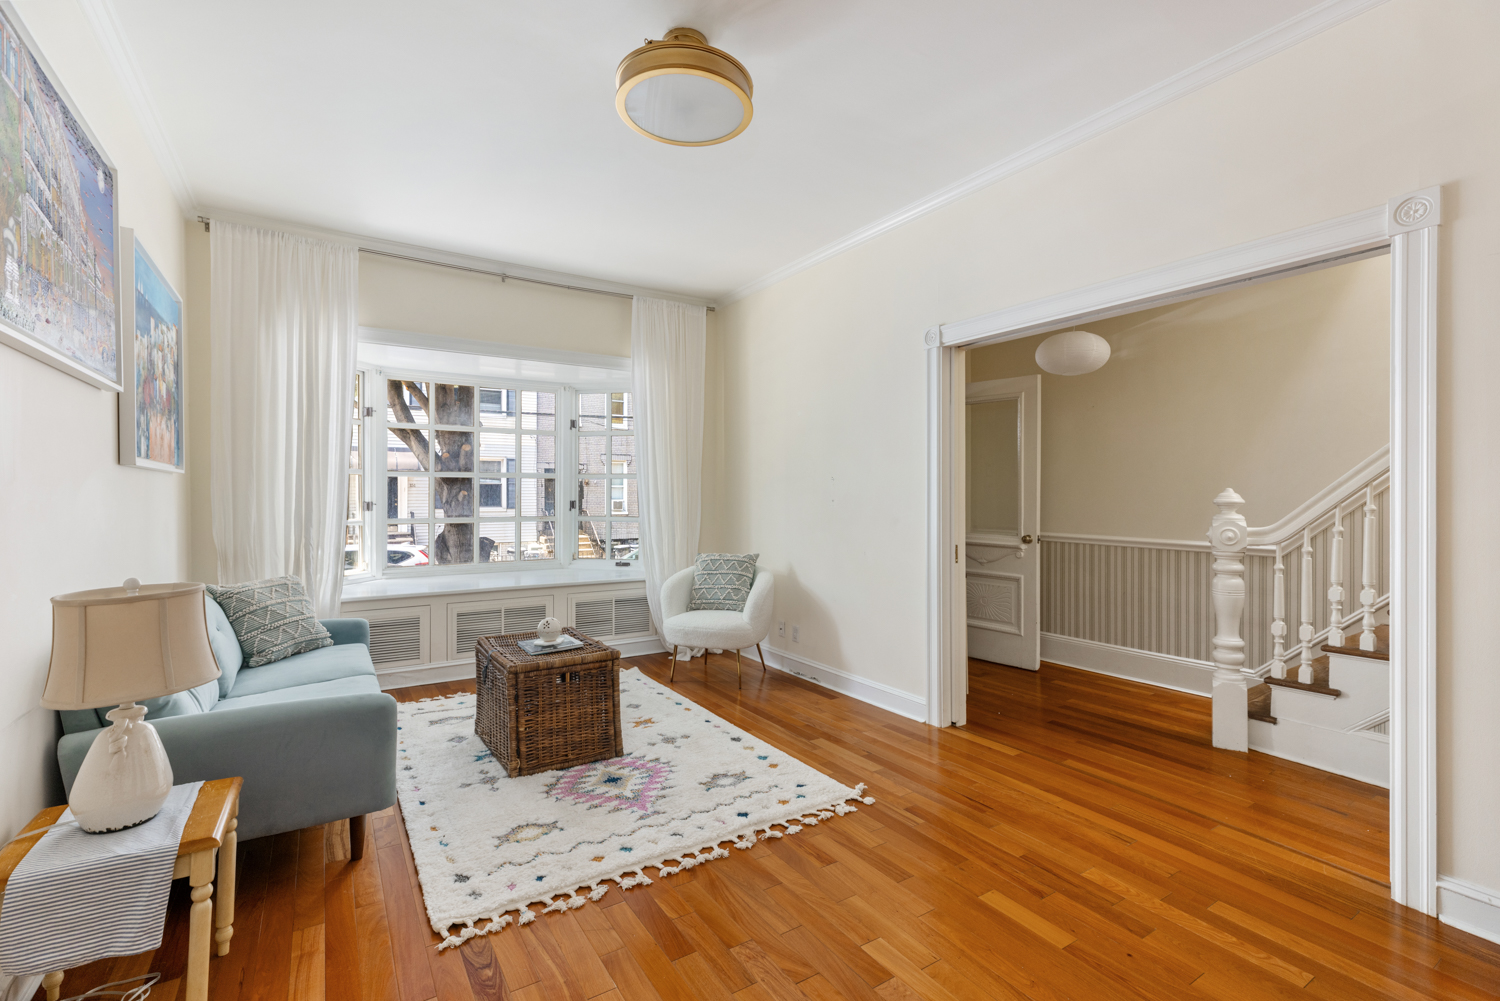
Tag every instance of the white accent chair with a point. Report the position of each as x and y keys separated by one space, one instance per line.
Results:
x=719 y=629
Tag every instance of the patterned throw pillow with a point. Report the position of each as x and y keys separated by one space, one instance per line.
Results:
x=722 y=581
x=273 y=619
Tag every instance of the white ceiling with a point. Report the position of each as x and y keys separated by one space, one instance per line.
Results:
x=488 y=127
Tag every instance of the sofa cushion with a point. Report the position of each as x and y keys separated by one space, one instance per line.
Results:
x=194 y=700
x=225 y=644
x=722 y=581
x=273 y=619
x=346 y=660
x=320 y=690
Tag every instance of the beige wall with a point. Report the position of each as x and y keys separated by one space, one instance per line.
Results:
x=1275 y=390
x=429 y=299
x=824 y=372
x=73 y=517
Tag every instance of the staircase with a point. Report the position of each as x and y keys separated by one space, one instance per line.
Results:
x=1325 y=701
x=1339 y=721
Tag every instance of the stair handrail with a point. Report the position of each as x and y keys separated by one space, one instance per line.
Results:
x=1322 y=503
x=1230 y=539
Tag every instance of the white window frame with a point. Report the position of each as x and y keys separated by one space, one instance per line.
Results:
x=362 y=423
x=625 y=477
x=565 y=517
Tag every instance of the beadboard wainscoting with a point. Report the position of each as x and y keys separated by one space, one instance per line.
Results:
x=1139 y=608
x=427 y=637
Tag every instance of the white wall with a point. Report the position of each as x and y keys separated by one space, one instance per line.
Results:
x=1276 y=390
x=73 y=517
x=823 y=373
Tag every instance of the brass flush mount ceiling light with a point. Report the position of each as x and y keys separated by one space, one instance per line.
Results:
x=683 y=91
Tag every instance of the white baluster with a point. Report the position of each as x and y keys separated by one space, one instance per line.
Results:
x=1278 y=620
x=1336 y=583
x=1305 y=631
x=1229 y=535
x=1368 y=574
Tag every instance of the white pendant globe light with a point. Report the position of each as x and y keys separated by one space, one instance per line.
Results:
x=683 y=91
x=1072 y=352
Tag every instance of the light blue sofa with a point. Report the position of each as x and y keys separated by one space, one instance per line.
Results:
x=313 y=735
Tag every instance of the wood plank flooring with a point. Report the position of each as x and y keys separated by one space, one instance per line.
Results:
x=1079 y=839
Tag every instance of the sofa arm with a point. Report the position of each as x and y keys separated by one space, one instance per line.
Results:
x=304 y=762
x=348 y=630
x=677 y=593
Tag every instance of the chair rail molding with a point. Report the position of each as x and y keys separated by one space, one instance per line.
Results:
x=1406 y=228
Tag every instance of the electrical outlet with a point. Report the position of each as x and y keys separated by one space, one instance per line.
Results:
x=796 y=634
x=781 y=628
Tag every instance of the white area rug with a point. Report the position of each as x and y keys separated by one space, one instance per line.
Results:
x=689 y=783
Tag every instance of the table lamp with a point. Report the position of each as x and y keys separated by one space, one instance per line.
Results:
x=116 y=645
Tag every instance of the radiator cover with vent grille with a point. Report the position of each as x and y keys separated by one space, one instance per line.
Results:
x=609 y=617
x=395 y=641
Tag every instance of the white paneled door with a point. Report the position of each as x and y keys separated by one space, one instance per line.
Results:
x=1002 y=486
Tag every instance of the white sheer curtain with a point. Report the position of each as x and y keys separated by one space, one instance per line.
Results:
x=666 y=362
x=283 y=327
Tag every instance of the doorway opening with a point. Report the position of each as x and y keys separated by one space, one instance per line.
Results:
x=1410 y=238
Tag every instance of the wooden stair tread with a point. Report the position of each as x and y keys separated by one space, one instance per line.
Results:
x=1351 y=648
x=1260 y=704
x=1319 y=683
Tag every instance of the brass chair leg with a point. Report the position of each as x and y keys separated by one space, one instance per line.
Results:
x=762 y=658
x=674 y=663
x=739 y=675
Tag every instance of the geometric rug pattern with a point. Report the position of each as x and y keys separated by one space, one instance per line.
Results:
x=689 y=784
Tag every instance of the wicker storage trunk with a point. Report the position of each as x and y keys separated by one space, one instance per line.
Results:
x=551 y=710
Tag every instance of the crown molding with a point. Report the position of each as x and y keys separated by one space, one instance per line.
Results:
x=106 y=24
x=430 y=255
x=1268 y=43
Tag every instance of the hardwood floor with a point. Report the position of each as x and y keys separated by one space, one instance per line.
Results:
x=1078 y=839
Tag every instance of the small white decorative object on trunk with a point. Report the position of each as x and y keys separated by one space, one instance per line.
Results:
x=113 y=646
x=549 y=630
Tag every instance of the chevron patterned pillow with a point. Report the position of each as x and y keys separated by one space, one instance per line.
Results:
x=722 y=581
x=273 y=619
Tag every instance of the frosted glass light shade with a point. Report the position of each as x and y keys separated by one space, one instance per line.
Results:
x=117 y=645
x=1072 y=352
x=683 y=91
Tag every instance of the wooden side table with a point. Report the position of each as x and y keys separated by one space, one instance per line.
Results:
x=209 y=831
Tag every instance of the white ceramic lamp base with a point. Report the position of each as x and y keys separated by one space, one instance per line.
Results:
x=125 y=778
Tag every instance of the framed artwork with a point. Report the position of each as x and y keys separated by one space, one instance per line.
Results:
x=60 y=300
x=151 y=414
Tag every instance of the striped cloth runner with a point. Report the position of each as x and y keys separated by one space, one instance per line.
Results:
x=77 y=897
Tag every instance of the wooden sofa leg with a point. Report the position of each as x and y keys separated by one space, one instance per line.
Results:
x=356 y=838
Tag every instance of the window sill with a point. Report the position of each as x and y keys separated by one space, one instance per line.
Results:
x=461 y=583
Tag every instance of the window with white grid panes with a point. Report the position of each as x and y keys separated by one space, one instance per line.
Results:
x=471 y=475
x=609 y=516
x=356 y=556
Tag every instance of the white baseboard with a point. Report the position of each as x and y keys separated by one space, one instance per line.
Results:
x=639 y=647
x=462 y=670
x=1195 y=677
x=1469 y=907
x=1355 y=755
x=876 y=694
x=425 y=674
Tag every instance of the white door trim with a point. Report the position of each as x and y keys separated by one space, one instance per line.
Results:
x=1407 y=227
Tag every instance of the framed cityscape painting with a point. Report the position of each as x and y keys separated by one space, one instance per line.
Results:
x=151 y=417
x=59 y=301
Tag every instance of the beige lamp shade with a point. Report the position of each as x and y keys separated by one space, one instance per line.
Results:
x=126 y=644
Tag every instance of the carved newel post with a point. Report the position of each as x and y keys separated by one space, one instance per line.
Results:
x=1229 y=535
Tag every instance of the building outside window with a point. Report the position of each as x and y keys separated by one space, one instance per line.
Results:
x=471 y=475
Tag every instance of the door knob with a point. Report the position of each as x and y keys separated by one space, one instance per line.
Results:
x=1026 y=540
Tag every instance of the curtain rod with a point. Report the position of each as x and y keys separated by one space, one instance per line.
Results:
x=503 y=276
